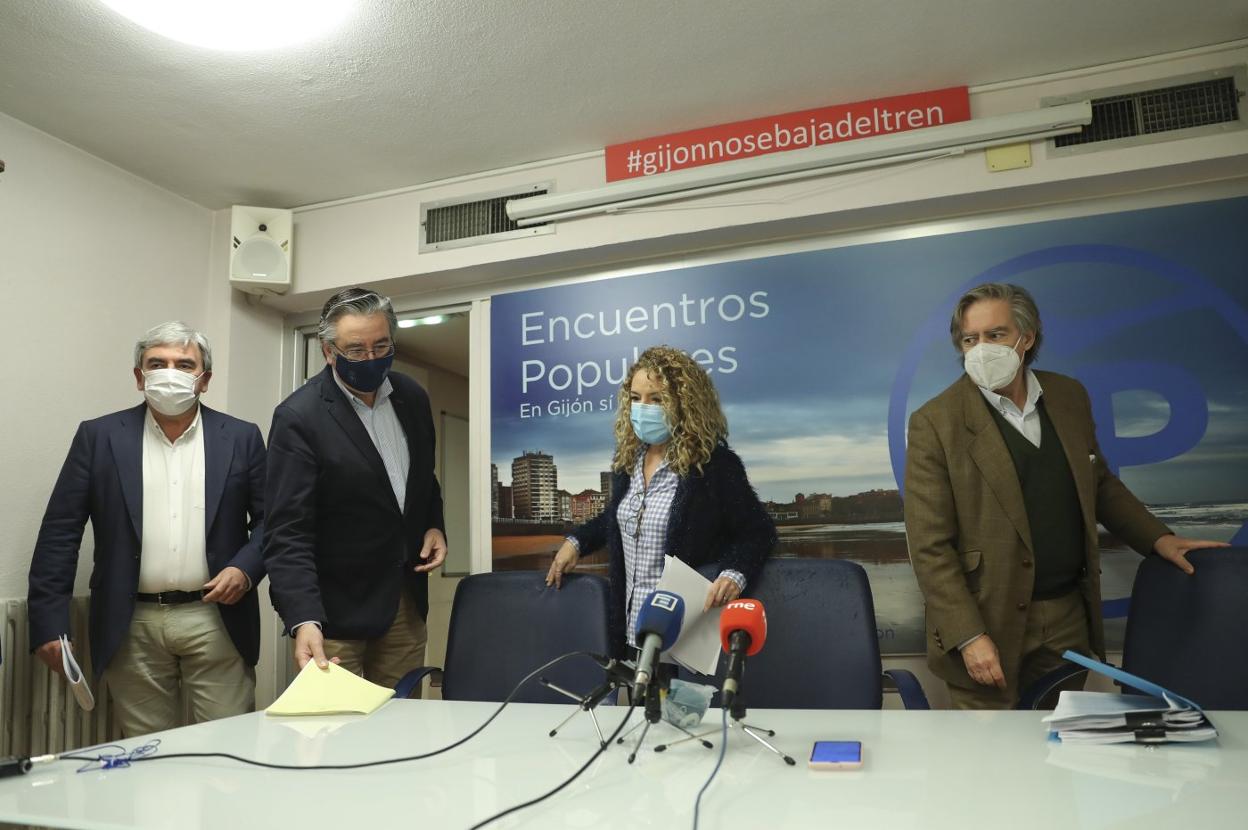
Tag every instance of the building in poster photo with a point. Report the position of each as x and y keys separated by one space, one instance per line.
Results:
x=820 y=356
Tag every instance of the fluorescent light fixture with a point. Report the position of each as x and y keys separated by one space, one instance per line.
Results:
x=947 y=139
x=235 y=25
x=431 y=320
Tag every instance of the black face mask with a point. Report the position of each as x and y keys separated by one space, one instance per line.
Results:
x=363 y=375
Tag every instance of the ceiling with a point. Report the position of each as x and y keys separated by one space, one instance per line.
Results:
x=411 y=92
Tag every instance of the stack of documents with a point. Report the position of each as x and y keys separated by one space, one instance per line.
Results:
x=1158 y=716
x=697 y=648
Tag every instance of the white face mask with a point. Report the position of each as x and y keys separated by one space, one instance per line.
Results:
x=992 y=365
x=170 y=391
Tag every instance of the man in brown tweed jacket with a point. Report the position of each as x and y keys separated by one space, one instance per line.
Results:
x=1005 y=485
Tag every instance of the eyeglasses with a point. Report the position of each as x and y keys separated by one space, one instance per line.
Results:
x=635 y=519
x=357 y=353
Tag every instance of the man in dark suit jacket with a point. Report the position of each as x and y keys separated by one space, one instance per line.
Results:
x=355 y=513
x=1005 y=485
x=174 y=491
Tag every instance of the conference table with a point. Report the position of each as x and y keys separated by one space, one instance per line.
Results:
x=932 y=769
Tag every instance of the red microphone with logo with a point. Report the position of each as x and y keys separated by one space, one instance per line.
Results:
x=742 y=632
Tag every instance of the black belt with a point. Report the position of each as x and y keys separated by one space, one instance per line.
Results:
x=1055 y=593
x=171 y=597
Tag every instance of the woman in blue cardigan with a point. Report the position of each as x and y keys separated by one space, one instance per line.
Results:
x=676 y=490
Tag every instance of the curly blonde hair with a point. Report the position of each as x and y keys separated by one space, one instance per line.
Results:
x=690 y=404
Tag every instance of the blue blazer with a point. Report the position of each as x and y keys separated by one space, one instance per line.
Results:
x=102 y=480
x=338 y=546
x=716 y=518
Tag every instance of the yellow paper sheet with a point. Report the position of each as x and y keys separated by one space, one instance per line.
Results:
x=332 y=691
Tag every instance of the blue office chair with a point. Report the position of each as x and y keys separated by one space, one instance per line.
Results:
x=1186 y=633
x=504 y=625
x=822 y=651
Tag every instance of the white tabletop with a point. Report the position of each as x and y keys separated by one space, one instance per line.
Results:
x=922 y=770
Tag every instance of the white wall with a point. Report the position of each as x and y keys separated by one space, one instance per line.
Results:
x=250 y=341
x=375 y=239
x=90 y=257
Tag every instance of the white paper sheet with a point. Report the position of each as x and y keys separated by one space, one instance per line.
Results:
x=73 y=676
x=697 y=648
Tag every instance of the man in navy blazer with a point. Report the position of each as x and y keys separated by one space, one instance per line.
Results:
x=355 y=513
x=174 y=491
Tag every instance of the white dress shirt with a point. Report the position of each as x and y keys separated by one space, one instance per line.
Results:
x=174 y=555
x=1025 y=420
x=383 y=427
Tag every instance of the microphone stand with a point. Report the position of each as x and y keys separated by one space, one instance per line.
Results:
x=737 y=713
x=654 y=712
x=618 y=675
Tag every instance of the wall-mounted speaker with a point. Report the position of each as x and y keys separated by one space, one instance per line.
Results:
x=260 y=241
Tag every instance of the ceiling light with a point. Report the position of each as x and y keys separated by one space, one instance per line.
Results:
x=235 y=25
x=431 y=320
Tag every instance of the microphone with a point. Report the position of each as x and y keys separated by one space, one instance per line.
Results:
x=742 y=632
x=658 y=627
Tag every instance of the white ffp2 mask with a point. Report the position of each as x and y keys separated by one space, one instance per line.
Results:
x=992 y=365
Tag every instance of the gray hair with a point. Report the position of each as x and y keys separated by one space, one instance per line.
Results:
x=173 y=333
x=353 y=301
x=1022 y=307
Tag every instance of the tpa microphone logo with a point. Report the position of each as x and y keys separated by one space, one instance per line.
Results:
x=665 y=601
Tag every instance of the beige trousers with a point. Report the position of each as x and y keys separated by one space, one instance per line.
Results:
x=1053 y=625
x=171 y=648
x=386 y=659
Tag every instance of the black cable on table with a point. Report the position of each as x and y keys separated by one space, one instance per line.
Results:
x=601 y=749
x=362 y=764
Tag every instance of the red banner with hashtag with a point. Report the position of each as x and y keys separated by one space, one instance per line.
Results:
x=791 y=131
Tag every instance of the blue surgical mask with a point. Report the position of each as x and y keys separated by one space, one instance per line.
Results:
x=363 y=375
x=649 y=423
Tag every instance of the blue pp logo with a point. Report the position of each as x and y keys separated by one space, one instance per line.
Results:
x=1071 y=334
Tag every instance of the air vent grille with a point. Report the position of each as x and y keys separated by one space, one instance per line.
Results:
x=473 y=221
x=1162 y=110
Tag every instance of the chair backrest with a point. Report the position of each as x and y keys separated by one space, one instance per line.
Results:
x=822 y=650
x=506 y=624
x=1187 y=632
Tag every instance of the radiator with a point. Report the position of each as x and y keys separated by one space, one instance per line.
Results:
x=38 y=713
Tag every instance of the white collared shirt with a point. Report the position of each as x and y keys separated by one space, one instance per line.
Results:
x=383 y=427
x=174 y=551
x=1026 y=420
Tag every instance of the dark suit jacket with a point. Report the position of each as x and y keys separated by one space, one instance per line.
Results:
x=102 y=480
x=337 y=547
x=967 y=528
x=716 y=517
